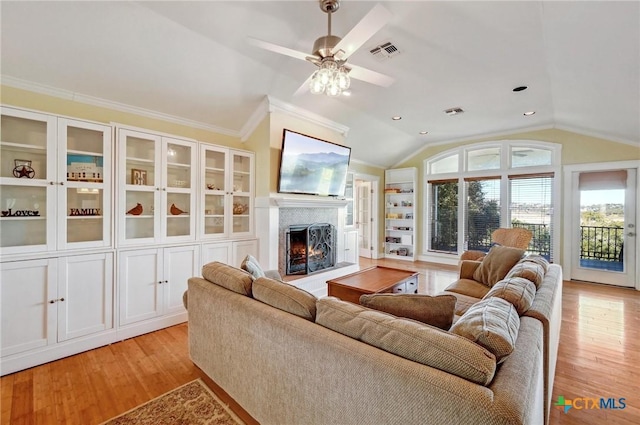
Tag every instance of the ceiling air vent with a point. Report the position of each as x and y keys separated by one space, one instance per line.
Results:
x=385 y=51
x=453 y=111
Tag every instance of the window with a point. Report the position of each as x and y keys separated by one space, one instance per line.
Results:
x=506 y=184
x=444 y=216
x=483 y=159
x=531 y=207
x=482 y=212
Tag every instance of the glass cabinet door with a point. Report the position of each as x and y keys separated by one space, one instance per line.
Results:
x=85 y=167
x=139 y=153
x=348 y=195
x=242 y=193
x=179 y=202
x=27 y=181
x=214 y=190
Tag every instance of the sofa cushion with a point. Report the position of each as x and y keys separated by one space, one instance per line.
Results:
x=492 y=323
x=518 y=291
x=497 y=264
x=409 y=339
x=529 y=270
x=435 y=311
x=468 y=287
x=463 y=303
x=538 y=259
x=286 y=297
x=251 y=265
x=229 y=277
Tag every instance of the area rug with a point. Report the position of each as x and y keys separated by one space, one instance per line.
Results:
x=190 y=404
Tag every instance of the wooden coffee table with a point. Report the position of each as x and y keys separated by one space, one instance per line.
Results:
x=372 y=281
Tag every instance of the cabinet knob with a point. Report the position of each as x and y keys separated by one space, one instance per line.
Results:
x=164 y=188
x=52 y=183
x=159 y=282
x=157 y=188
x=52 y=301
x=61 y=299
x=61 y=183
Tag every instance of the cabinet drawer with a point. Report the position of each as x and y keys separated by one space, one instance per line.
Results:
x=412 y=285
x=400 y=288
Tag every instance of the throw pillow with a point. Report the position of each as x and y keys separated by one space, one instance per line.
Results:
x=492 y=323
x=496 y=264
x=286 y=297
x=518 y=291
x=538 y=259
x=409 y=339
x=251 y=265
x=435 y=311
x=529 y=270
x=229 y=277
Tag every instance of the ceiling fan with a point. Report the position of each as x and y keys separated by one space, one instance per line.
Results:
x=330 y=53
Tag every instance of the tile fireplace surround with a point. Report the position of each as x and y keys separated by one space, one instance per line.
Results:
x=275 y=214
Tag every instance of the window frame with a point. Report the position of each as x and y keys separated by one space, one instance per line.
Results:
x=504 y=171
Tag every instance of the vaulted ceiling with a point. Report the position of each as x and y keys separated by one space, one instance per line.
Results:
x=579 y=60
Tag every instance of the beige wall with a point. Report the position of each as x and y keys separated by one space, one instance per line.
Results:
x=576 y=149
x=259 y=143
x=55 y=105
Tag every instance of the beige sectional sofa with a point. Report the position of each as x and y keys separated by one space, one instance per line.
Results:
x=288 y=358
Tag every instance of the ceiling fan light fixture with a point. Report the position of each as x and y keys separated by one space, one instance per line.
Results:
x=333 y=89
x=330 y=79
x=344 y=82
x=316 y=86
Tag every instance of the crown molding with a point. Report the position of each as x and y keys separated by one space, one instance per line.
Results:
x=108 y=104
x=368 y=164
x=270 y=104
x=592 y=133
x=276 y=105
x=255 y=119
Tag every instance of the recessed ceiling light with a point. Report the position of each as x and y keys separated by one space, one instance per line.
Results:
x=423 y=132
x=529 y=113
x=520 y=88
x=396 y=118
x=453 y=111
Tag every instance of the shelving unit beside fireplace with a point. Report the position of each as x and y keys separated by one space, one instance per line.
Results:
x=400 y=203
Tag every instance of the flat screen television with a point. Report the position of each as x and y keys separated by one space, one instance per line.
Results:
x=312 y=166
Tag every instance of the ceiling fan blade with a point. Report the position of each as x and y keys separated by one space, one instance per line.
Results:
x=279 y=49
x=304 y=87
x=369 y=76
x=363 y=31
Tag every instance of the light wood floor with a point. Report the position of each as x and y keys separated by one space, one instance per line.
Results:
x=599 y=357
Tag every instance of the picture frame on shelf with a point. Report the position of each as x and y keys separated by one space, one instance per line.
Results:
x=23 y=168
x=138 y=177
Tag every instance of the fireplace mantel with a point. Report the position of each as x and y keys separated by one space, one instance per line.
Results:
x=311 y=202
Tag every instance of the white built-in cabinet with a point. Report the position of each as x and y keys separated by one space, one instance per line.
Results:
x=55 y=183
x=226 y=196
x=48 y=304
x=95 y=251
x=351 y=246
x=231 y=252
x=152 y=282
x=156 y=188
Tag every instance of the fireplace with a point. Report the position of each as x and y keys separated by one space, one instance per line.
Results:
x=310 y=248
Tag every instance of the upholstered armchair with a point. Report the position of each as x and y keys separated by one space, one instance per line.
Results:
x=515 y=237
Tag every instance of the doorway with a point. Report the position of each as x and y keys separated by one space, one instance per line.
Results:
x=603 y=226
x=366 y=213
